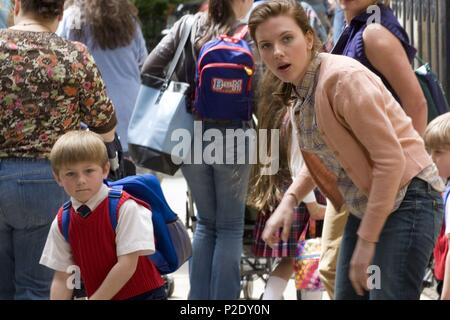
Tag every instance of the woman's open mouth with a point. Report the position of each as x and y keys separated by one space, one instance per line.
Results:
x=284 y=67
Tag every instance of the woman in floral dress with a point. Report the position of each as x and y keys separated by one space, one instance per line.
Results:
x=48 y=86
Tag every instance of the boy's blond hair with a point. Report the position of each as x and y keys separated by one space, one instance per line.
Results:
x=78 y=146
x=437 y=134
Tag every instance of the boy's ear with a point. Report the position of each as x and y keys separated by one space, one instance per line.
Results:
x=106 y=170
x=55 y=175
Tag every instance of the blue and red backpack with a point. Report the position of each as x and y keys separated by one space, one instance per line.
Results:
x=224 y=76
x=172 y=242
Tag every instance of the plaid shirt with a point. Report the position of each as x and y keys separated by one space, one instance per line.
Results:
x=310 y=139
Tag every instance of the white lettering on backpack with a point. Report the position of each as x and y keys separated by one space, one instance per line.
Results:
x=230 y=86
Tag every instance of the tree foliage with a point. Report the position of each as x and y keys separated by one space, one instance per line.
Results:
x=153 y=15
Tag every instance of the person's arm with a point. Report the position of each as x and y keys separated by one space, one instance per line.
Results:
x=59 y=289
x=57 y=255
x=119 y=275
x=361 y=100
x=163 y=53
x=108 y=136
x=446 y=285
x=386 y=53
x=283 y=215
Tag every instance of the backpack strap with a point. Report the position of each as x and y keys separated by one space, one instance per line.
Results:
x=241 y=32
x=446 y=193
x=114 y=195
x=445 y=198
x=65 y=220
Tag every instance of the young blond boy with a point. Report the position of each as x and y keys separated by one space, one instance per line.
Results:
x=112 y=262
x=437 y=141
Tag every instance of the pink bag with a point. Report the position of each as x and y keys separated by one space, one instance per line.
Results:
x=306 y=263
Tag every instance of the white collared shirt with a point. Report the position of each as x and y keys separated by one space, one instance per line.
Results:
x=296 y=162
x=134 y=232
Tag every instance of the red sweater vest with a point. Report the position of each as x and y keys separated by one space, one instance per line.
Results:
x=93 y=243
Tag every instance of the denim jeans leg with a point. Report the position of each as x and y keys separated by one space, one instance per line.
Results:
x=7 y=288
x=33 y=280
x=29 y=203
x=406 y=243
x=201 y=183
x=343 y=287
x=219 y=192
x=231 y=185
x=403 y=250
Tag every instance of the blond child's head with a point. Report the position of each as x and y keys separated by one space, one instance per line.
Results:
x=437 y=141
x=80 y=163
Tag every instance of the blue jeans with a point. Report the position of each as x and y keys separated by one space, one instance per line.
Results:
x=219 y=192
x=29 y=201
x=404 y=248
x=155 y=294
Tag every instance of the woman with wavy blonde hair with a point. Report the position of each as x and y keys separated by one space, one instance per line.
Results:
x=111 y=31
x=362 y=150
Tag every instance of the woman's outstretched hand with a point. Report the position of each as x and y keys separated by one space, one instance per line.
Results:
x=361 y=260
x=281 y=218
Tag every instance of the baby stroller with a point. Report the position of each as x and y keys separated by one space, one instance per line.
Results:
x=252 y=268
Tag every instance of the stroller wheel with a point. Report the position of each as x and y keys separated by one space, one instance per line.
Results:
x=247 y=287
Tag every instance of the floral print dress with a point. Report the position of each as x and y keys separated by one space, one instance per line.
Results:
x=48 y=86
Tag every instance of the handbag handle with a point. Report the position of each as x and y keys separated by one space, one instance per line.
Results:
x=311 y=225
x=184 y=36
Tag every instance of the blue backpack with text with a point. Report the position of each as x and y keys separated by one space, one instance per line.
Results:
x=224 y=76
x=172 y=241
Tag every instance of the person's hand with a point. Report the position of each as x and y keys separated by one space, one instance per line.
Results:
x=115 y=157
x=361 y=259
x=281 y=218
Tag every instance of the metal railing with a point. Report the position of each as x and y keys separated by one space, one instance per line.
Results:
x=427 y=23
